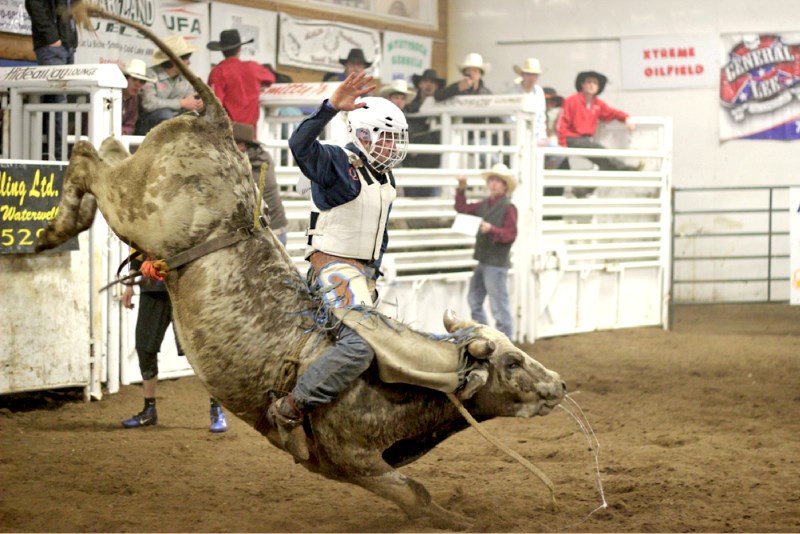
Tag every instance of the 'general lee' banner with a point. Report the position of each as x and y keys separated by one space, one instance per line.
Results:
x=29 y=196
x=760 y=87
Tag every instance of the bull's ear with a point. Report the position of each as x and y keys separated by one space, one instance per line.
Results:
x=450 y=320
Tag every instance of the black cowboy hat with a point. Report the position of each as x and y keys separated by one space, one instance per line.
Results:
x=356 y=55
x=429 y=74
x=590 y=74
x=228 y=40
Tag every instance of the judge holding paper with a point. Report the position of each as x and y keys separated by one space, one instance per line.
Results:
x=496 y=233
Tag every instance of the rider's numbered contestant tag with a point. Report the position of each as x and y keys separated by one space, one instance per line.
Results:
x=29 y=195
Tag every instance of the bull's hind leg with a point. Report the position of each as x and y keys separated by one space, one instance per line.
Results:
x=411 y=497
x=78 y=206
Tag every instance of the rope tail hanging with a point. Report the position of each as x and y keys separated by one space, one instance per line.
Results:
x=491 y=439
x=261 y=181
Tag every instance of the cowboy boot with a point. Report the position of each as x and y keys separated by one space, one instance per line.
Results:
x=287 y=419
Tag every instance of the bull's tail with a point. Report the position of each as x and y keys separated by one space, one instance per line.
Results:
x=213 y=109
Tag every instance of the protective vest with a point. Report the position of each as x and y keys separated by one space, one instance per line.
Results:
x=487 y=250
x=355 y=229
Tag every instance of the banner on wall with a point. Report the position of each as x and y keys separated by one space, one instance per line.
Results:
x=404 y=55
x=760 y=87
x=319 y=44
x=794 y=245
x=251 y=23
x=668 y=62
x=14 y=18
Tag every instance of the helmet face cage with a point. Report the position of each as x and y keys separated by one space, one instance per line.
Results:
x=380 y=131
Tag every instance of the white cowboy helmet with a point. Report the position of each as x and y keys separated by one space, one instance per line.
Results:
x=379 y=120
x=474 y=60
x=531 y=66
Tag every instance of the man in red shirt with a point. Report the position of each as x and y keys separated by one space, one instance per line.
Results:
x=237 y=83
x=579 y=116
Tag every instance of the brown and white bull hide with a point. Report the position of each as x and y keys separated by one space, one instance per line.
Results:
x=238 y=312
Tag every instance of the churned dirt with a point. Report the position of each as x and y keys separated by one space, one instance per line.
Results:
x=699 y=430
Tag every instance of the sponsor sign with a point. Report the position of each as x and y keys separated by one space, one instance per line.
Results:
x=668 y=62
x=319 y=44
x=404 y=55
x=29 y=195
x=251 y=23
x=760 y=87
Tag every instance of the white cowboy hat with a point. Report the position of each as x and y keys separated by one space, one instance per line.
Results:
x=474 y=60
x=397 y=86
x=504 y=173
x=177 y=44
x=136 y=68
x=531 y=66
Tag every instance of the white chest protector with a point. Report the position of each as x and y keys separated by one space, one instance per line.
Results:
x=355 y=229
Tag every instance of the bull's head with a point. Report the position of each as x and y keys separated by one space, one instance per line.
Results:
x=517 y=385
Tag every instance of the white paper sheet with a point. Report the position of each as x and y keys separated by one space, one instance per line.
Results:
x=466 y=224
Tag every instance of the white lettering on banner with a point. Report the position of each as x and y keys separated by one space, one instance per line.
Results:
x=668 y=62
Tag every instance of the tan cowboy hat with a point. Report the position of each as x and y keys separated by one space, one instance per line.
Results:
x=177 y=44
x=474 y=60
x=136 y=68
x=397 y=86
x=531 y=66
x=504 y=173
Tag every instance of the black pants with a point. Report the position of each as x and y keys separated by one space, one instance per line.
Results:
x=605 y=164
x=155 y=314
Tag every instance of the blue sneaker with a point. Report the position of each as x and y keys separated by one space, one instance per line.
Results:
x=218 y=421
x=147 y=417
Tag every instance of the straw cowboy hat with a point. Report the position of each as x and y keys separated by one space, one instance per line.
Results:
x=356 y=55
x=590 y=74
x=136 y=68
x=177 y=44
x=397 y=86
x=504 y=173
x=474 y=60
x=228 y=40
x=531 y=66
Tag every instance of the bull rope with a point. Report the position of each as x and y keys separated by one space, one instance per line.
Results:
x=491 y=439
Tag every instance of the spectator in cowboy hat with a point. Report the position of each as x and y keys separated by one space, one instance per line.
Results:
x=580 y=114
x=170 y=93
x=527 y=85
x=244 y=135
x=472 y=68
x=135 y=72
x=427 y=84
x=354 y=62
x=238 y=83
x=397 y=92
x=496 y=234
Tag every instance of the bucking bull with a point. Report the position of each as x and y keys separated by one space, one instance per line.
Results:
x=242 y=316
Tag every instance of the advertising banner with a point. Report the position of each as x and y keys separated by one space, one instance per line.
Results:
x=404 y=55
x=29 y=195
x=319 y=44
x=669 y=62
x=760 y=87
x=14 y=18
x=251 y=23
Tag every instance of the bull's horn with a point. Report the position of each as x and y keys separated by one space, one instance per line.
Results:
x=481 y=348
x=450 y=320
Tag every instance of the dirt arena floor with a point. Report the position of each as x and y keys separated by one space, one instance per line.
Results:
x=699 y=431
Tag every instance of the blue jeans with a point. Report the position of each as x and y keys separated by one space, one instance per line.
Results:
x=334 y=371
x=54 y=55
x=148 y=121
x=491 y=280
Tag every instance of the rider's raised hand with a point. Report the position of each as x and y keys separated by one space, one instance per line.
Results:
x=354 y=86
